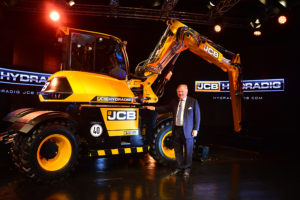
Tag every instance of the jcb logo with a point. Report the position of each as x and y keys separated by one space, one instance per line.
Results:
x=211 y=51
x=207 y=86
x=121 y=115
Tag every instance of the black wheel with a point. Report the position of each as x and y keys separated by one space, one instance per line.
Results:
x=49 y=154
x=15 y=150
x=162 y=149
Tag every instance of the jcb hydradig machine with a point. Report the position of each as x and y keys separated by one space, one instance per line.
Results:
x=103 y=102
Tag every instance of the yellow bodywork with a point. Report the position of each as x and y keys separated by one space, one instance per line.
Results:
x=121 y=121
x=92 y=87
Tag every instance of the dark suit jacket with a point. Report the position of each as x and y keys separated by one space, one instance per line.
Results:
x=191 y=116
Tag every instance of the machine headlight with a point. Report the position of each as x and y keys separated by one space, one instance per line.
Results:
x=57 y=88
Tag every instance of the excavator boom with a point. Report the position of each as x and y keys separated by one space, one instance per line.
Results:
x=177 y=38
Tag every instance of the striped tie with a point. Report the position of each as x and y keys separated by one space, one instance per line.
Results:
x=179 y=113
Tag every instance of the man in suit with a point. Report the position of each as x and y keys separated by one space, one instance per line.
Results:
x=186 y=122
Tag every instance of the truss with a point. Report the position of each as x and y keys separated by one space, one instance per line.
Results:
x=163 y=14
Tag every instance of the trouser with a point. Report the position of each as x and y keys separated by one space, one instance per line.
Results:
x=183 y=158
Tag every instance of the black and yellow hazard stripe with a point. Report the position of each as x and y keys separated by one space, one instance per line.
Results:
x=119 y=151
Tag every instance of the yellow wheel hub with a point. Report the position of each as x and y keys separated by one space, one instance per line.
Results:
x=57 y=156
x=170 y=153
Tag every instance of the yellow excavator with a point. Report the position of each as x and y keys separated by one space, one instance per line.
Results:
x=98 y=103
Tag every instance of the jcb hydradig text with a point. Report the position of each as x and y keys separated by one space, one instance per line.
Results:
x=102 y=102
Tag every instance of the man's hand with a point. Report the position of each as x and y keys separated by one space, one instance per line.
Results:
x=194 y=133
x=150 y=107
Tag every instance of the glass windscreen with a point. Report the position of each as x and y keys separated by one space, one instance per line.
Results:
x=92 y=53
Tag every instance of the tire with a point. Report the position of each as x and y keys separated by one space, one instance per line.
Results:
x=49 y=154
x=15 y=150
x=162 y=149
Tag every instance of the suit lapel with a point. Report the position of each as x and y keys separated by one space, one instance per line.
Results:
x=187 y=103
x=175 y=103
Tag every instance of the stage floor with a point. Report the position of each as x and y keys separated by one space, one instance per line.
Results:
x=230 y=173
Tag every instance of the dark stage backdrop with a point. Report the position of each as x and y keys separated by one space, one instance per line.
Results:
x=27 y=44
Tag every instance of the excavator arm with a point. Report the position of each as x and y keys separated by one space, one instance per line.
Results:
x=179 y=37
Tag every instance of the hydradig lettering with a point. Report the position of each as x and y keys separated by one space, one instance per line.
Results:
x=25 y=78
x=17 y=77
x=121 y=115
x=112 y=99
x=262 y=85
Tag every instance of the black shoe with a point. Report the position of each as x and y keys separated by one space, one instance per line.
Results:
x=176 y=172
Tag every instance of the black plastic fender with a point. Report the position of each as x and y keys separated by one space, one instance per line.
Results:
x=14 y=115
x=24 y=120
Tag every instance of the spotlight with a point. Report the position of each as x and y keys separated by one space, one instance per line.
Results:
x=255 y=24
x=217 y=28
x=71 y=3
x=60 y=39
x=156 y=3
x=283 y=3
x=282 y=19
x=211 y=4
x=54 y=15
x=257 y=33
x=263 y=2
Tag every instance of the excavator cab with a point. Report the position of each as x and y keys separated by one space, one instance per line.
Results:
x=93 y=52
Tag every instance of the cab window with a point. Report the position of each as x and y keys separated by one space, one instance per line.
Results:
x=97 y=54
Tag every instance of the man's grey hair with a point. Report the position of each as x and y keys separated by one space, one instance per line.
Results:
x=182 y=85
